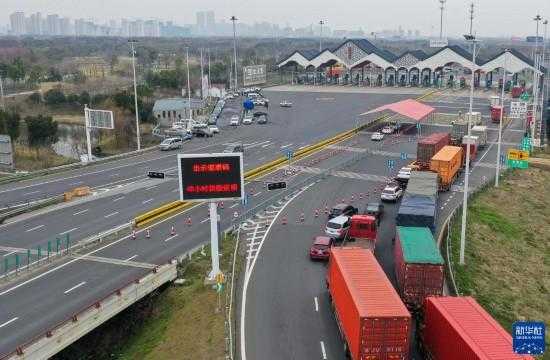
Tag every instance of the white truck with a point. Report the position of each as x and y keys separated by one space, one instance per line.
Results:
x=481 y=132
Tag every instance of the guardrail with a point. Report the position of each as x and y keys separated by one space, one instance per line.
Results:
x=10 y=212
x=92 y=315
x=162 y=211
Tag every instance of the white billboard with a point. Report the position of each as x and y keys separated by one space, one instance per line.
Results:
x=100 y=119
x=518 y=109
x=254 y=75
x=438 y=43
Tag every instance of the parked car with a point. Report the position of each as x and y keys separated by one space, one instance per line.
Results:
x=285 y=103
x=234 y=120
x=214 y=129
x=320 y=249
x=377 y=136
x=342 y=209
x=247 y=119
x=375 y=209
x=388 y=129
x=260 y=101
x=228 y=96
x=337 y=227
x=392 y=192
x=202 y=132
x=171 y=144
x=404 y=174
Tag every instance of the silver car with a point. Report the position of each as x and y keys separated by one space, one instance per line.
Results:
x=171 y=144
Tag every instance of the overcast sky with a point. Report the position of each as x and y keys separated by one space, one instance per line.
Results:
x=492 y=18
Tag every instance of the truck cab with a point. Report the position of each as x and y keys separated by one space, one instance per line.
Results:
x=363 y=230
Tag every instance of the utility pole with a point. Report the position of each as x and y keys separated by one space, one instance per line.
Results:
x=208 y=73
x=188 y=86
x=233 y=19
x=132 y=42
x=441 y=7
x=2 y=102
x=536 y=78
x=202 y=77
x=471 y=17
x=468 y=144
x=321 y=36
x=497 y=173
x=544 y=96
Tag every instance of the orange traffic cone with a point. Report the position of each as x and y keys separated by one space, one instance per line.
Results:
x=148 y=234
x=360 y=195
x=302 y=217
x=283 y=221
x=316 y=213
x=221 y=205
x=173 y=231
x=133 y=234
x=326 y=210
x=189 y=221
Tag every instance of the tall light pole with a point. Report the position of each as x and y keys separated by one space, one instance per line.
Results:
x=471 y=38
x=544 y=95
x=537 y=19
x=471 y=17
x=132 y=42
x=2 y=103
x=441 y=7
x=188 y=86
x=233 y=19
x=497 y=173
x=321 y=36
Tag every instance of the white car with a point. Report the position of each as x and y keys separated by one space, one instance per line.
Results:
x=171 y=144
x=404 y=174
x=228 y=97
x=377 y=136
x=389 y=129
x=234 y=120
x=338 y=227
x=214 y=129
x=392 y=192
x=247 y=121
x=285 y=103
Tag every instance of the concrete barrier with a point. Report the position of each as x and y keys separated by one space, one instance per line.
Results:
x=80 y=323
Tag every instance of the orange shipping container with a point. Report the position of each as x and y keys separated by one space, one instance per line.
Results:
x=372 y=318
x=447 y=163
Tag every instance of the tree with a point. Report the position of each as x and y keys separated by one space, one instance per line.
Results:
x=16 y=70
x=35 y=98
x=42 y=130
x=9 y=124
x=84 y=98
x=54 y=75
x=54 y=97
x=72 y=99
x=36 y=75
x=79 y=77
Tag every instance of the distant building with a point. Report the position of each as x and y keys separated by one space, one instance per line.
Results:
x=36 y=24
x=17 y=22
x=52 y=25
x=151 y=28
x=91 y=66
x=171 y=110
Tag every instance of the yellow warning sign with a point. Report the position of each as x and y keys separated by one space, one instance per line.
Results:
x=515 y=154
x=220 y=278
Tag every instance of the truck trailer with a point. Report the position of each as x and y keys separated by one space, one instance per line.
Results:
x=447 y=164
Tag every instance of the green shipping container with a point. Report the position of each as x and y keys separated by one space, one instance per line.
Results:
x=418 y=265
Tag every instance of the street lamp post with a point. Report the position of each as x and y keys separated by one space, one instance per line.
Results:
x=536 y=78
x=442 y=7
x=233 y=19
x=2 y=103
x=497 y=173
x=188 y=86
x=471 y=38
x=321 y=36
x=132 y=42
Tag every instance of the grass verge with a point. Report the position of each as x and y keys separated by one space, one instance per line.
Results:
x=29 y=159
x=508 y=249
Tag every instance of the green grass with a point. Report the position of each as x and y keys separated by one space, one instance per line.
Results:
x=508 y=249
x=184 y=323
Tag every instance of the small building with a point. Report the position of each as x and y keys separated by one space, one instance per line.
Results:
x=90 y=66
x=171 y=110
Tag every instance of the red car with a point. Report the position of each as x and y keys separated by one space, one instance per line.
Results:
x=320 y=250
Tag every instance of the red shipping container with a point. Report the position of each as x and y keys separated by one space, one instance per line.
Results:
x=495 y=113
x=418 y=265
x=429 y=146
x=374 y=322
x=458 y=328
x=517 y=91
x=473 y=153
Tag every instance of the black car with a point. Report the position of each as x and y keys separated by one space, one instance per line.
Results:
x=375 y=209
x=342 y=209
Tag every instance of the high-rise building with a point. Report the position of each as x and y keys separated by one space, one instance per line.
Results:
x=136 y=28
x=124 y=28
x=201 y=21
x=17 y=22
x=80 y=27
x=35 y=24
x=65 y=27
x=53 y=25
x=210 y=22
x=151 y=28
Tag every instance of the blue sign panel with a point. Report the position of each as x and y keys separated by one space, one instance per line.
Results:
x=528 y=337
x=403 y=156
x=289 y=154
x=391 y=164
x=245 y=199
x=502 y=159
x=418 y=126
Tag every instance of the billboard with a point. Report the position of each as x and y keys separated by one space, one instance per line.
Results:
x=211 y=177
x=254 y=75
x=438 y=43
x=6 y=153
x=100 y=119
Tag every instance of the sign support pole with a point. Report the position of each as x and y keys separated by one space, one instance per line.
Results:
x=88 y=137
x=214 y=240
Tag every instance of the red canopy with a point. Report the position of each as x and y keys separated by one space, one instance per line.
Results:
x=409 y=108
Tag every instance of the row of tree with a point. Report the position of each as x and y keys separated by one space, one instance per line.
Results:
x=18 y=71
x=41 y=130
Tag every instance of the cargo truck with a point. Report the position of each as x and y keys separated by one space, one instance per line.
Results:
x=363 y=231
x=476 y=117
x=474 y=144
x=419 y=204
x=373 y=321
x=481 y=132
x=447 y=164
x=427 y=147
x=418 y=265
x=458 y=130
x=458 y=328
x=495 y=113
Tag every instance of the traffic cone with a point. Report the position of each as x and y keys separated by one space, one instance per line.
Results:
x=189 y=221
x=360 y=195
x=173 y=231
x=133 y=234
x=316 y=213
x=283 y=221
x=352 y=198
x=302 y=217
x=148 y=234
x=221 y=205
x=326 y=210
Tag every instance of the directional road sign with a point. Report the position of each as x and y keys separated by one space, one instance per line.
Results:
x=289 y=154
x=403 y=156
x=390 y=163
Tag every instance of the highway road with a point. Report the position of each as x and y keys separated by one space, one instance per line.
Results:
x=287 y=314
x=67 y=286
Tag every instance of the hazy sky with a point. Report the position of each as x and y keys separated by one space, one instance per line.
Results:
x=493 y=17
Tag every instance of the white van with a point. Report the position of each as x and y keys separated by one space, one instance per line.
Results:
x=338 y=227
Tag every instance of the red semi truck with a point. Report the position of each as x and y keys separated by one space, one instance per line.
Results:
x=429 y=146
x=363 y=231
x=373 y=321
x=458 y=328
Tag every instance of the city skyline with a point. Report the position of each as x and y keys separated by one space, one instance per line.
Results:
x=490 y=19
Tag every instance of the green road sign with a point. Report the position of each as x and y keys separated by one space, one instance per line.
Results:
x=518 y=164
x=526 y=144
x=219 y=287
x=524 y=97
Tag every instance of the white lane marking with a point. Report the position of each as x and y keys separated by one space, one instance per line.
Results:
x=81 y=212
x=115 y=174
x=260 y=159
x=316 y=304
x=35 y=228
x=76 y=183
x=147 y=201
x=118 y=199
x=170 y=238
x=68 y=231
x=111 y=214
x=176 y=190
x=8 y=322
x=256 y=194
x=285 y=146
x=10 y=253
x=205 y=220
x=32 y=192
x=323 y=351
x=74 y=288
x=234 y=205
x=266 y=145
x=151 y=187
x=131 y=258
